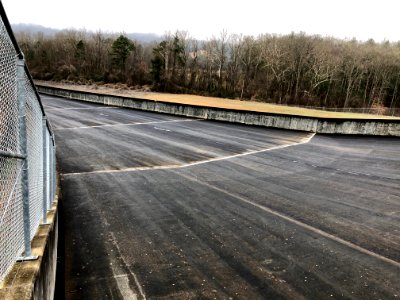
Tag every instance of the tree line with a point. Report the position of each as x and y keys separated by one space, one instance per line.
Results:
x=293 y=69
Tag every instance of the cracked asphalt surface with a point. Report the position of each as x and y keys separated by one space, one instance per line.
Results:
x=316 y=217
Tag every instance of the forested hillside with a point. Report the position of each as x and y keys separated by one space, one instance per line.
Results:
x=290 y=69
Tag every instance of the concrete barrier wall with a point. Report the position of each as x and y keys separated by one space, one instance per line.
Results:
x=35 y=279
x=383 y=127
x=44 y=286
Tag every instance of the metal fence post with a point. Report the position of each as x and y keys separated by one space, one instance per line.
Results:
x=51 y=149
x=45 y=167
x=23 y=148
x=50 y=168
x=51 y=165
x=54 y=170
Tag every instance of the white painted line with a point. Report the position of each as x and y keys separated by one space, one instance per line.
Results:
x=134 y=169
x=81 y=108
x=127 y=124
x=304 y=141
x=298 y=223
x=125 y=284
x=196 y=163
x=161 y=129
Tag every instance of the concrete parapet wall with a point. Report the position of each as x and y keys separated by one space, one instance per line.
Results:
x=35 y=279
x=381 y=127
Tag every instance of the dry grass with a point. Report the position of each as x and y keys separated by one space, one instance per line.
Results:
x=122 y=90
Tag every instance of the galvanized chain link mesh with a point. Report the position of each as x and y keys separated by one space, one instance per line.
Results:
x=11 y=219
x=12 y=161
x=35 y=155
x=8 y=96
x=11 y=226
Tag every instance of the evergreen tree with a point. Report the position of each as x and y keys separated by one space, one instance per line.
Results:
x=120 y=50
x=80 y=51
x=159 y=62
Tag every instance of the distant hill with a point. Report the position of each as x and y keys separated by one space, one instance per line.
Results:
x=34 y=29
x=144 y=37
x=47 y=31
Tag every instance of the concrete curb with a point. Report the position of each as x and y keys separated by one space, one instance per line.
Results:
x=378 y=127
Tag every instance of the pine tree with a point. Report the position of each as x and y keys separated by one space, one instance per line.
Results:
x=120 y=50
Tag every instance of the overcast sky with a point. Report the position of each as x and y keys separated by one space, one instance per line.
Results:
x=377 y=19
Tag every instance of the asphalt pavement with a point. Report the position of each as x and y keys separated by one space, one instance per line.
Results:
x=164 y=207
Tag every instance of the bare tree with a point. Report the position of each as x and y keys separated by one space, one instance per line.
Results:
x=290 y=69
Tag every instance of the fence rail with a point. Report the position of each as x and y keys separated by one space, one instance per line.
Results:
x=27 y=154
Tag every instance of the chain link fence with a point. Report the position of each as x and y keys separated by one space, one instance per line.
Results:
x=27 y=155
